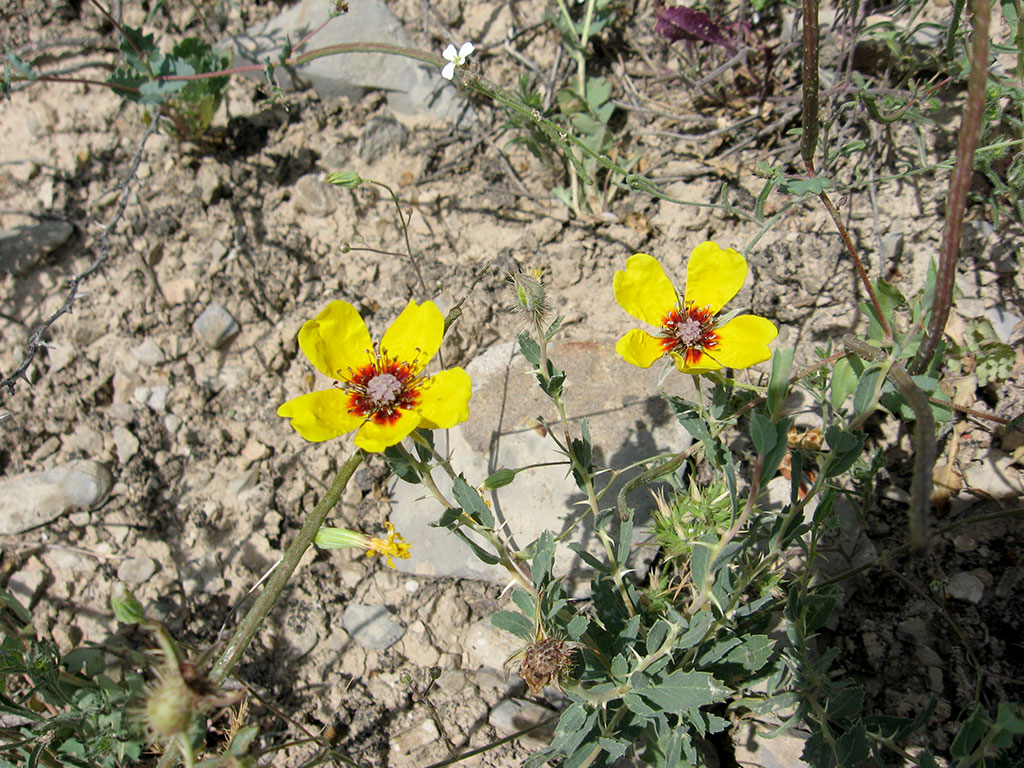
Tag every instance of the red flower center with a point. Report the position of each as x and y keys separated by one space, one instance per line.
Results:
x=689 y=333
x=382 y=388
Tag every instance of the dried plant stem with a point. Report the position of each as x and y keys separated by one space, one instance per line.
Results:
x=956 y=201
x=265 y=603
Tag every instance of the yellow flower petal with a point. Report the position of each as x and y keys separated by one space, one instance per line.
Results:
x=705 y=364
x=643 y=290
x=743 y=341
x=374 y=438
x=415 y=335
x=713 y=276
x=320 y=416
x=336 y=339
x=444 y=399
x=639 y=348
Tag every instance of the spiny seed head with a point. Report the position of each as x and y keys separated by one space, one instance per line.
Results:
x=545 y=662
x=169 y=708
x=528 y=295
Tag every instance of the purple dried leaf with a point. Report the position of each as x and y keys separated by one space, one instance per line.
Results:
x=679 y=23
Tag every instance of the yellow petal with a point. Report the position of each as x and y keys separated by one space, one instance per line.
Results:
x=374 y=438
x=336 y=340
x=743 y=341
x=444 y=399
x=643 y=290
x=713 y=276
x=320 y=416
x=640 y=348
x=415 y=335
x=704 y=364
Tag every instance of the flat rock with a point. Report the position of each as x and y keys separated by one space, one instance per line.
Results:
x=966 y=587
x=216 y=326
x=21 y=247
x=753 y=750
x=514 y=715
x=314 y=197
x=628 y=423
x=372 y=626
x=383 y=134
x=137 y=569
x=413 y=87
x=35 y=498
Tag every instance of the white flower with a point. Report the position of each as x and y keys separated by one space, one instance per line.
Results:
x=455 y=58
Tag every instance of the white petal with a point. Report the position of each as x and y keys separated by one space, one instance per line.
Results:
x=466 y=49
x=450 y=53
x=449 y=70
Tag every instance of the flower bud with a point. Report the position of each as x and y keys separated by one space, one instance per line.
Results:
x=127 y=609
x=528 y=295
x=346 y=179
x=170 y=706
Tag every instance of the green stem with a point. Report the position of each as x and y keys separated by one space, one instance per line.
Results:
x=265 y=603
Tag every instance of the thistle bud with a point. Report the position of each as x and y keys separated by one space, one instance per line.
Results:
x=169 y=709
x=528 y=295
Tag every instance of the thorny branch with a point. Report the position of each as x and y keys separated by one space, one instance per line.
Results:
x=35 y=339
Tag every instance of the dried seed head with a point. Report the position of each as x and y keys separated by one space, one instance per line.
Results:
x=545 y=662
x=169 y=708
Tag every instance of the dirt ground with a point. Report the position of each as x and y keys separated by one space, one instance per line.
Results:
x=210 y=485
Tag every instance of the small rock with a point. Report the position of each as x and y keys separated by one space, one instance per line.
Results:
x=487 y=646
x=372 y=626
x=157 y=400
x=913 y=629
x=125 y=443
x=179 y=290
x=253 y=451
x=27 y=582
x=216 y=326
x=35 y=498
x=382 y=135
x=935 y=679
x=313 y=196
x=48 y=447
x=137 y=570
x=966 y=587
x=415 y=738
x=148 y=353
x=22 y=247
x=512 y=715
x=927 y=656
x=208 y=183
x=752 y=750
x=59 y=355
x=994 y=475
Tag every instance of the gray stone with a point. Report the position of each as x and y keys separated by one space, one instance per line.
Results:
x=27 y=582
x=208 y=182
x=157 y=400
x=36 y=498
x=966 y=587
x=313 y=196
x=412 y=86
x=126 y=444
x=383 y=134
x=415 y=738
x=627 y=424
x=22 y=247
x=137 y=569
x=514 y=715
x=915 y=630
x=148 y=352
x=216 y=326
x=372 y=626
x=994 y=475
x=752 y=750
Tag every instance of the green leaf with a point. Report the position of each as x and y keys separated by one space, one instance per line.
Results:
x=615 y=748
x=973 y=728
x=845 y=704
x=762 y=432
x=543 y=559
x=867 y=390
x=472 y=503
x=577 y=626
x=778 y=382
x=698 y=628
x=846 y=447
x=844 y=382
x=685 y=690
x=482 y=554
x=753 y=653
x=656 y=635
x=853 y=746
x=499 y=479
x=515 y=623
x=637 y=706
x=400 y=464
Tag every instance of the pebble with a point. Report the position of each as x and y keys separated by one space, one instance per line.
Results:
x=313 y=196
x=126 y=444
x=208 y=182
x=415 y=738
x=253 y=451
x=35 y=498
x=966 y=587
x=381 y=135
x=512 y=715
x=148 y=352
x=753 y=750
x=372 y=626
x=216 y=326
x=913 y=629
x=157 y=400
x=137 y=569
x=27 y=582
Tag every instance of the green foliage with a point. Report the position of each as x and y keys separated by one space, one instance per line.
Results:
x=61 y=708
x=991 y=359
x=188 y=105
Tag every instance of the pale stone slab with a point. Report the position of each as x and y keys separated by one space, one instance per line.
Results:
x=629 y=422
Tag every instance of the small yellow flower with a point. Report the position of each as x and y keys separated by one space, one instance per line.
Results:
x=689 y=330
x=340 y=538
x=381 y=392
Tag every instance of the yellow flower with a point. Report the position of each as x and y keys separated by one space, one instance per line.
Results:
x=689 y=330
x=381 y=392
x=340 y=538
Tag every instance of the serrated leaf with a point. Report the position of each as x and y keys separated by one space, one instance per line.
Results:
x=685 y=690
x=577 y=626
x=637 y=706
x=543 y=559
x=472 y=503
x=853 y=746
x=515 y=623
